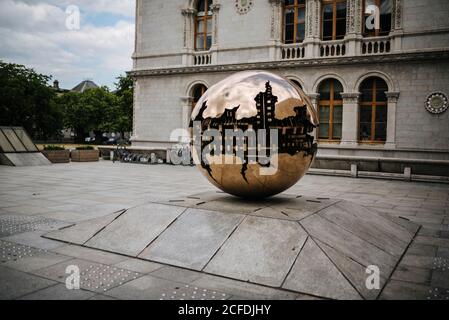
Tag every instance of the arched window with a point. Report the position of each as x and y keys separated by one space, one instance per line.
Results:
x=294 y=21
x=203 y=25
x=382 y=10
x=296 y=82
x=330 y=110
x=373 y=110
x=333 y=19
x=197 y=92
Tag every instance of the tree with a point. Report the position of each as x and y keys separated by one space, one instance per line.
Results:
x=91 y=110
x=26 y=100
x=124 y=113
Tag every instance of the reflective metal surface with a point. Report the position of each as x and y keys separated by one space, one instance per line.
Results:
x=257 y=103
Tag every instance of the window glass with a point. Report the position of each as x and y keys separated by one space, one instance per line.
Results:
x=300 y=34
x=338 y=89
x=341 y=10
x=324 y=122
x=328 y=12
x=325 y=90
x=294 y=21
x=327 y=30
x=337 y=121
x=365 y=123
x=289 y=16
x=200 y=42
x=201 y=6
x=341 y=28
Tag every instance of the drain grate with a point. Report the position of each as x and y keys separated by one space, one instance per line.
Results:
x=15 y=224
x=193 y=293
x=12 y=252
x=438 y=294
x=101 y=278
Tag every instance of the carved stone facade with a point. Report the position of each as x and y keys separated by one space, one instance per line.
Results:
x=413 y=60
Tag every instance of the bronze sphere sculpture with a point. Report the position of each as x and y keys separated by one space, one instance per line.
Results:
x=251 y=134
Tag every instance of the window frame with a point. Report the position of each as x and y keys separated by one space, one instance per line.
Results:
x=329 y=104
x=376 y=32
x=204 y=18
x=334 y=18
x=373 y=104
x=296 y=7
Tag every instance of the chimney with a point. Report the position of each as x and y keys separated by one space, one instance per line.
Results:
x=56 y=84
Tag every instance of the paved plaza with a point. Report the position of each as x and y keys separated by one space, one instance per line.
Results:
x=45 y=201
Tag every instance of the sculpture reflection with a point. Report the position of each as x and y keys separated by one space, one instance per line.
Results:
x=251 y=134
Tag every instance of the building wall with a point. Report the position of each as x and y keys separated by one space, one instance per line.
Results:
x=165 y=69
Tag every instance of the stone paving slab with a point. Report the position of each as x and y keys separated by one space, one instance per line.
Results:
x=193 y=239
x=261 y=250
x=59 y=292
x=349 y=244
x=15 y=284
x=310 y=268
x=243 y=290
x=83 y=231
x=34 y=239
x=353 y=271
x=369 y=226
x=139 y=225
x=90 y=254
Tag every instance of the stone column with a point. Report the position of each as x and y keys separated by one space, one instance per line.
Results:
x=314 y=97
x=136 y=110
x=391 y=119
x=215 y=8
x=186 y=113
x=188 y=41
x=350 y=119
x=397 y=32
x=275 y=29
x=313 y=29
x=354 y=27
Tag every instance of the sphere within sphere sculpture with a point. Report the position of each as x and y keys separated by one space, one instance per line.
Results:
x=252 y=134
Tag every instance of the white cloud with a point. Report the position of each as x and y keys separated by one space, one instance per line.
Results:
x=34 y=33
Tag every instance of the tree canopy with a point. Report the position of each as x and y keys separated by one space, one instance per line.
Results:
x=27 y=100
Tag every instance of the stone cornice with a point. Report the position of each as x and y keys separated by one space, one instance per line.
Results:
x=319 y=62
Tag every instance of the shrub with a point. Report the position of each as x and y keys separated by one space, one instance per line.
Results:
x=53 y=148
x=85 y=148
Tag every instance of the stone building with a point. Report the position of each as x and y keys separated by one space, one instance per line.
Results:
x=376 y=70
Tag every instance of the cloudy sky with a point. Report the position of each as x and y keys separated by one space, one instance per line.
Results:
x=43 y=34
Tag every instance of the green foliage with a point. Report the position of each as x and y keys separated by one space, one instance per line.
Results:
x=85 y=148
x=26 y=100
x=88 y=111
x=53 y=148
